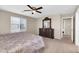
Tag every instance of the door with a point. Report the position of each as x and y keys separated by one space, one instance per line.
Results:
x=67 y=27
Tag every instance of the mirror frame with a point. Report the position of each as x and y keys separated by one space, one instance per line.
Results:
x=46 y=19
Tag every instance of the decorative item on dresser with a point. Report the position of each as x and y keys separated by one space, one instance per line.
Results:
x=46 y=31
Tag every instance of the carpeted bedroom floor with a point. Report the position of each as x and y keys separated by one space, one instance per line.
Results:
x=59 y=46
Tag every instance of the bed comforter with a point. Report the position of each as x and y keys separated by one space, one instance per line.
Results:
x=21 y=42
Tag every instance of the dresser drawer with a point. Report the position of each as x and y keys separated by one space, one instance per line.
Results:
x=46 y=32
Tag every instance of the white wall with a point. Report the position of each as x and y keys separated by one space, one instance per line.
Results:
x=77 y=28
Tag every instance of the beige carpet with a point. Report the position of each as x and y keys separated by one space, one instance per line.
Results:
x=59 y=46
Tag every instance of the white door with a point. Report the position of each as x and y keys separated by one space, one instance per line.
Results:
x=67 y=27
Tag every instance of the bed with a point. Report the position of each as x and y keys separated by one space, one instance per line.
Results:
x=22 y=42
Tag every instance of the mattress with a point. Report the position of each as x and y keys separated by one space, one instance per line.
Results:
x=21 y=42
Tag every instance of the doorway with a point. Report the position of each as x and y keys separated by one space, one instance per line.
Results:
x=67 y=29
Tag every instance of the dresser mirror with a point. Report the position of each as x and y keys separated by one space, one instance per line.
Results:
x=47 y=22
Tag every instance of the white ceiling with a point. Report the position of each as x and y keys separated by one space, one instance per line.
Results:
x=47 y=9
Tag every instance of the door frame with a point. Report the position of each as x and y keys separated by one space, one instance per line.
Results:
x=62 y=27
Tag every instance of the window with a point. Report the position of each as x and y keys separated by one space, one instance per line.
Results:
x=23 y=24
x=18 y=24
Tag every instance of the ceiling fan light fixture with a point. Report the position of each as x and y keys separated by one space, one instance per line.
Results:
x=33 y=11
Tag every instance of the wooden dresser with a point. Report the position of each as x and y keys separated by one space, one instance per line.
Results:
x=46 y=32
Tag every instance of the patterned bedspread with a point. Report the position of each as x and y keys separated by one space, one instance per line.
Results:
x=21 y=42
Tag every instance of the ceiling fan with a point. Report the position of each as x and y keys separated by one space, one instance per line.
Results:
x=34 y=9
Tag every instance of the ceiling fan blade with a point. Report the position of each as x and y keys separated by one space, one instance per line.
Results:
x=38 y=11
x=27 y=10
x=39 y=8
x=29 y=6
